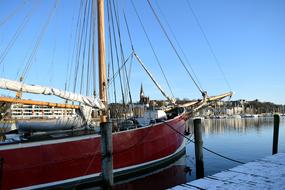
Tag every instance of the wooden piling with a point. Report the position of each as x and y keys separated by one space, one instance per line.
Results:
x=107 y=157
x=187 y=128
x=198 y=148
x=275 y=133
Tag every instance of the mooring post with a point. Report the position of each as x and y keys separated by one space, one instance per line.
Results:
x=198 y=148
x=275 y=133
x=187 y=128
x=107 y=157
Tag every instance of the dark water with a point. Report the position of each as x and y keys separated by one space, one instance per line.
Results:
x=242 y=139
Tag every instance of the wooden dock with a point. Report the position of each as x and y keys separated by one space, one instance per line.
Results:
x=266 y=173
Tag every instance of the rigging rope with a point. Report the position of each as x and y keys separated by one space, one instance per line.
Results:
x=119 y=70
x=116 y=51
x=205 y=148
x=72 y=62
x=86 y=26
x=80 y=35
x=128 y=30
x=154 y=52
x=93 y=47
x=132 y=46
x=208 y=43
x=178 y=44
x=173 y=47
x=18 y=31
x=172 y=100
x=39 y=39
x=54 y=52
x=84 y=36
x=89 y=53
x=131 y=63
x=52 y=60
x=128 y=76
x=111 y=52
x=88 y=46
x=122 y=54
x=92 y=68
x=68 y=69
x=13 y=13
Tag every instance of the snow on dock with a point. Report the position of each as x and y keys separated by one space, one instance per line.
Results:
x=266 y=173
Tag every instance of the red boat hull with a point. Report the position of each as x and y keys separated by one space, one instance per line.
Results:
x=35 y=163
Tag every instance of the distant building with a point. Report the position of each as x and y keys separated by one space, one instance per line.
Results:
x=143 y=99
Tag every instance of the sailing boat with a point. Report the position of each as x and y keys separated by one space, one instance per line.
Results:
x=63 y=157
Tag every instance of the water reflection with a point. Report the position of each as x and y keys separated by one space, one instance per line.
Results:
x=244 y=139
x=163 y=179
x=223 y=126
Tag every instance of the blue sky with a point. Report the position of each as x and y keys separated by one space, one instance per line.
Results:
x=247 y=37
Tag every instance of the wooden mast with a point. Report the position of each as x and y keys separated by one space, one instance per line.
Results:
x=105 y=127
x=102 y=61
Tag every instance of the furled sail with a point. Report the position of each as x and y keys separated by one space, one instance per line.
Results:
x=37 y=89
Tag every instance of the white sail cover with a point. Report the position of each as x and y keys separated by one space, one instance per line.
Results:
x=37 y=89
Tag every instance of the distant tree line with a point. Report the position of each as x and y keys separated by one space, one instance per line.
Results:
x=256 y=105
x=265 y=107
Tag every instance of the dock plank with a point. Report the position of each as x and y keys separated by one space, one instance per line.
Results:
x=266 y=173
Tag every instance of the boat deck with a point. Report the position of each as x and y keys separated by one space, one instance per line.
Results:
x=266 y=173
x=44 y=136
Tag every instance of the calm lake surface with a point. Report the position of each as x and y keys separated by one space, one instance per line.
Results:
x=241 y=139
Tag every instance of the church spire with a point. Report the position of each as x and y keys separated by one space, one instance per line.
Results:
x=141 y=92
x=143 y=99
